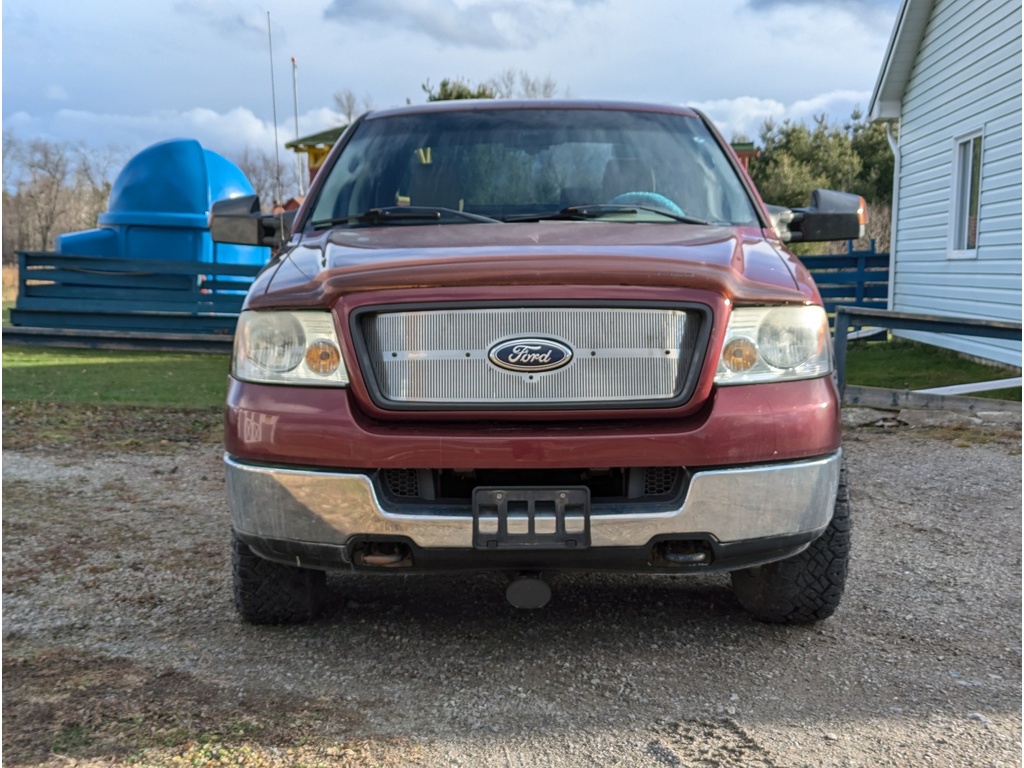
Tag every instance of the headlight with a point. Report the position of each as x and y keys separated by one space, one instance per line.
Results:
x=278 y=347
x=775 y=344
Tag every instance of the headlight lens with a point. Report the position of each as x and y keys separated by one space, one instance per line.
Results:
x=280 y=347
x=775 y=344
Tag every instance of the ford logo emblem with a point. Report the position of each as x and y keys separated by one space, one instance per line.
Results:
x=530 y=355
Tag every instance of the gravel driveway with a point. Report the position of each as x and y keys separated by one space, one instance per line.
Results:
x=121 y=645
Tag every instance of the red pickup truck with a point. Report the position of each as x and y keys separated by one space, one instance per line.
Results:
x=535 y=337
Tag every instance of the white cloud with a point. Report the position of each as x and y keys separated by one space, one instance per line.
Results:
x=232 y=131
x=483 y=24
x=140 y=73
x=746 y=114
x=852 y=6
x=228 y=133
x=827 y=103
x=742 y=115
x=244 y=23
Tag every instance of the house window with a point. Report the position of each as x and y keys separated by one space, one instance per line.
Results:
x=966 y=197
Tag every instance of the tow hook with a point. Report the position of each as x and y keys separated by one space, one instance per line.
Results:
x=528 y=590
x=383 y=554
x=682 y=553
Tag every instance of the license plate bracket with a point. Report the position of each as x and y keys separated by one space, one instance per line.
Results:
x=531 y=518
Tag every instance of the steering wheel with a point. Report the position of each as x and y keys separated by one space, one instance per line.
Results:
x=652 y=199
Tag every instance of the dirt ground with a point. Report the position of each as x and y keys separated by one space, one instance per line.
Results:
x=121 y=646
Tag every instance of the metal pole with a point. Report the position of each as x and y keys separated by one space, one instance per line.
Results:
x=273 y=101
x=295 y=104
x=842 y=327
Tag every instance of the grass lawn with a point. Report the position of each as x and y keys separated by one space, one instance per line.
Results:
x=102 y=377
x=908 y=365
x=146 y=401
x=179 y=380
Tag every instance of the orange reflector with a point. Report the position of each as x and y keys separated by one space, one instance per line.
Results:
x=739 y=355
x=323 y=357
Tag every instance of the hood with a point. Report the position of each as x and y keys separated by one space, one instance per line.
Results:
x=735 y=262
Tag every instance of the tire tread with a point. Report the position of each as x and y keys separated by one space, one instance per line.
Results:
x=809 y=586
x=273 y=593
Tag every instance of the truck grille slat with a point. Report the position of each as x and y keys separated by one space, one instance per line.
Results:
x=619 y=355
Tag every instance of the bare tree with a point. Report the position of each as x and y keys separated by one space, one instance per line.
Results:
x=347 y=104
x=535 y=87
x=261 y=169
x=51 y=188
x=92 y=179
x=504 y=84
x=510 y=84
x=47 y=194
x=11 y=160
x=351 y=106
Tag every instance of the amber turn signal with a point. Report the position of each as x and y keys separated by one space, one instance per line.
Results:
x=739 y=355
x=323 y=357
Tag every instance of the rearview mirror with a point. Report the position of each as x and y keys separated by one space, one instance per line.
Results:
x=831 y=216
x=238 y=220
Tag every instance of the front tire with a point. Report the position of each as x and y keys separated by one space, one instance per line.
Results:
x=272 y=593
x=808 y=586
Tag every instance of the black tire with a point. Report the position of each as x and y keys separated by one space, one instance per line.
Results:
x=271 y=593
x=806 y=587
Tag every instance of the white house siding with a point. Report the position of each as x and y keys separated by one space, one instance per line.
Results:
x=967 y=77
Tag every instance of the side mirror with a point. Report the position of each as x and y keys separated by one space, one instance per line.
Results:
x=830 y=216
x=238 y=220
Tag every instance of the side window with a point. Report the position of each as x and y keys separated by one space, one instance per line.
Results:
x=345 y=186
x=966 y=197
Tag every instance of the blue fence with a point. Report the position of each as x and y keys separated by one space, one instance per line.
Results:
x=852 y=279
x=106 y=294
x=132 y=295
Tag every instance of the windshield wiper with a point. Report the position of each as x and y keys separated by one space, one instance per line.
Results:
x=600 y=210
x=402 y=213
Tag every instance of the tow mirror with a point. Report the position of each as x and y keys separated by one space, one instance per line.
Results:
x=831 y=216
x=238 y=220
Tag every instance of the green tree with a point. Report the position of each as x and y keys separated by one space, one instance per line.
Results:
x=509 y=84
x=451 y=89
x=796 y=159
x=878 y=164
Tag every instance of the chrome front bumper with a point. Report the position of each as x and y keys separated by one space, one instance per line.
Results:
x=731 y=505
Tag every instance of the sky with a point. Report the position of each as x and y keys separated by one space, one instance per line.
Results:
x=126 y=74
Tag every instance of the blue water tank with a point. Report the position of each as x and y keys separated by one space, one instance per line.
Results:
x=159 y=205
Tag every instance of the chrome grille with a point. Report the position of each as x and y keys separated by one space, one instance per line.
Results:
x=621 y=355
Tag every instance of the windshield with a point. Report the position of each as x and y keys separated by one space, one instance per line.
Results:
x=523 y=164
